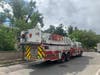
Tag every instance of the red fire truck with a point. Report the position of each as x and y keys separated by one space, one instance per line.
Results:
x=39 y=46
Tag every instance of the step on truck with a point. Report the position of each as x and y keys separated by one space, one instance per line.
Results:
x=39 y=46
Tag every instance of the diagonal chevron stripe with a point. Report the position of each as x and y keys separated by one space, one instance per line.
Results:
x=27 y=47
x=29 y=57
x=28 y=51
x=41 y=51
x=28 y=54
x=40 y=55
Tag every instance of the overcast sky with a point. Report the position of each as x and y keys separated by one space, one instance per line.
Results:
x=84 y=14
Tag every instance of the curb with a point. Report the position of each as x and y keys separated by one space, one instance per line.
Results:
x=4 y=63
x=8 y=69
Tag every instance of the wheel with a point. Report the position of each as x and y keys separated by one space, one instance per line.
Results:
x=63 y=57
x=80 y=54
x=68 y=56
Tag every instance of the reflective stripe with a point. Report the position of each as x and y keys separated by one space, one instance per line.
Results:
x=41 y=52
x=28 y=50
x=28 y=53
x=27 y=47
x=40 y=55
x=29 y=57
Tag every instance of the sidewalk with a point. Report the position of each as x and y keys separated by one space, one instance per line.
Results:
x=6 y=70
x=4 y=63
x=11 y=68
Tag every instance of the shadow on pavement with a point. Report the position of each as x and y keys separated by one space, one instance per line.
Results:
x=73 y=67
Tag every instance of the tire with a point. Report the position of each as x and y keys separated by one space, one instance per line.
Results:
x=63 y=57
x=80 y=55
x=68 y=56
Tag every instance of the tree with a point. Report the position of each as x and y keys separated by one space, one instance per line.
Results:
x=56 y=30
x=25 y=15
x=70 y=30
x=98 y=37
x=75 y=29
x=88 y=38
x=2 y=14
x=7 y=39
x=51 y=29
x=2 y=18
x=59 y=30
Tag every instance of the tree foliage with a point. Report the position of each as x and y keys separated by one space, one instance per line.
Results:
x=59 y=30
x=25 y=15
x=51 y=29
x=56 y=30
x=2 y=18
x=2 y=13
x=7 y=39
x=70 y=30
x=88 y=38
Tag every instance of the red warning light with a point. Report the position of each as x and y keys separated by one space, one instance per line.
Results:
x=30 y=35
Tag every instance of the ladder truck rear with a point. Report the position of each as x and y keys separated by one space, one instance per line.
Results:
x=39 y=46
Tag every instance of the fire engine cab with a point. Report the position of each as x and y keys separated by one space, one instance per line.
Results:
x=48 y=47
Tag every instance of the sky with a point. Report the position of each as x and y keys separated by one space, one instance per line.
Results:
x=85 y=14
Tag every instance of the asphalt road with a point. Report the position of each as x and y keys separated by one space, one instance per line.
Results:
x=86 y=65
